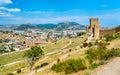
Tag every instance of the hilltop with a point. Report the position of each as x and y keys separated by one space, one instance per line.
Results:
x=58 y=27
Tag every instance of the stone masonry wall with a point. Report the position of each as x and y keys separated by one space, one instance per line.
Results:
x=109 y=31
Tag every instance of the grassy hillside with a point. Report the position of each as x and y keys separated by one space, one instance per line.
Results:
x=114 y=44
x=79 y=54
x=77 y=41
x=47 y=49
x=56 y=45
x=16 y=56
x=5 y=59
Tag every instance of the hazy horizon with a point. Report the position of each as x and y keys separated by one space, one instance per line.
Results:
x=55 y=11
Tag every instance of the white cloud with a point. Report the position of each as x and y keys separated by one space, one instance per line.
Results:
x=39 y=12
x=103 y=6
x=10 y=9
x=5 y=2
x=5 y=14
x=106 y=18
x=79 y=19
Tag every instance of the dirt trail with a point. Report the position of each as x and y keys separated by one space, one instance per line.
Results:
x=14 y=52
x=40 y=61
x=70 y=41
x=61 y=58
x=56 y=51
x=112 y=68
x=14 y=63
x=89 y=39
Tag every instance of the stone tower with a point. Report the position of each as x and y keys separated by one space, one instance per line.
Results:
x=94 y=28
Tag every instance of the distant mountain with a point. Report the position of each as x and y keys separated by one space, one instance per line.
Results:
x=69 y=26
x=1 y=25
x=25 y=27
x=58 y=27
x=46 y=26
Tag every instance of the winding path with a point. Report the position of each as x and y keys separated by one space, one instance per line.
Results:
x=56 y=51
x=112 y=68
x=54 y=62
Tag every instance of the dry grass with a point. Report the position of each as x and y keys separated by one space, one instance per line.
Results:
x=77 y=41
x=12 y=68
x=56 y=45
x=114 y=44
x=79 y=54
x=49 y=48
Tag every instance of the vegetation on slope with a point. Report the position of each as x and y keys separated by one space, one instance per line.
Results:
x=56 y=45
x=101 y=56
x=69 y=66
x=9 y=58
x=94 y=56
x=33 y=54
x=111 y=37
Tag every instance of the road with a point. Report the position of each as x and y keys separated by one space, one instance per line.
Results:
x=112 y=68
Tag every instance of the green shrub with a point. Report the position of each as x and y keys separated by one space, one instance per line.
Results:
x=9 y=74
x=70 y=50
x=102 y=62
x=87 y=73
x=96 y=54
x=109 y=37
x=114 y=52
x=68 y=69
x=96 y=42
x=1 y=65
x=44 y=64
x=117 y=52
x=19 y=70
x=85 y=44
x=37 y=67
x=58 y=60
x=117 y=35
x=69 y=66
x=42 y=46
x=101 y=54
x=95 y=65
x=89 y=59
x=90 y=44
x=102 y=45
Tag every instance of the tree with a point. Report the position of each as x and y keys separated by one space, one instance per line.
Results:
x=33 y=54
x=2 y=50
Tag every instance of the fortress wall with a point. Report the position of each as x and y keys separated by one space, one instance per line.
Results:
x=118 y=29
x=93 y=21
x=107 y=31
x=95 y=30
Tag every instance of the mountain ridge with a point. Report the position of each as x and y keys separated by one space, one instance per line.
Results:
x=58 y=27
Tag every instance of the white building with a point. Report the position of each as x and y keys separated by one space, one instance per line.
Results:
x=72 y=32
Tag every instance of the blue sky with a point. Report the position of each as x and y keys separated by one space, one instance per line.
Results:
x=55 y=11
